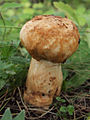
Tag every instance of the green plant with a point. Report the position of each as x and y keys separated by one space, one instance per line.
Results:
x=75 y=15
x=88 y=118
x=13 y=65
x=80 y=16
x=69 y=109
x=78 y=67
x=8 y=116
x=59 y=99
x=64 y=109
x=14 y=60
x=78 y=64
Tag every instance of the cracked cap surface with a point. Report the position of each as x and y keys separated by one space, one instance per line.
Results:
x=51 y=38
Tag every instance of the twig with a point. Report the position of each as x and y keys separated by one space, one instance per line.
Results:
x=80 y=117
x=40 y=110
x=23 y=102
x=74 y=115
x=4 y=94
x=66 y=98
x=22 y=99
x=4 y=25
x=35 y=118
x=3 y=101
x=4 y=105
x=18 y=105
x=14 y=27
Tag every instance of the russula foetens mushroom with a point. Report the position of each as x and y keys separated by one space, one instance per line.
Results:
x=50 y=40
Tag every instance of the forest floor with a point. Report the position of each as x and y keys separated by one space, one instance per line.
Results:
x=79 y=98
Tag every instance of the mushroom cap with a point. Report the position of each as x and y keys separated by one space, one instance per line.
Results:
x=49 y=37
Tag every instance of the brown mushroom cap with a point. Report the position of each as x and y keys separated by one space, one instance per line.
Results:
x=51 y=38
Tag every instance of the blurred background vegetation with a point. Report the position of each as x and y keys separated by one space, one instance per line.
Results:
x=13 y=14
x=14 y=59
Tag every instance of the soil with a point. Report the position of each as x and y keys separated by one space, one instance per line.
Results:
x=79 y=98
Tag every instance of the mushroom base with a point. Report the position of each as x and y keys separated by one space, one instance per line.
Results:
x=44 y=82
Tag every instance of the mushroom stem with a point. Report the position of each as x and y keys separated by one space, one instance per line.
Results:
x=43 y=83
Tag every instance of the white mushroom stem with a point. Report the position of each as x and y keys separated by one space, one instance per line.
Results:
x=43 y=83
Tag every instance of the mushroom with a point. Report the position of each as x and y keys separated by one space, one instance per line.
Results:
x=50 y=40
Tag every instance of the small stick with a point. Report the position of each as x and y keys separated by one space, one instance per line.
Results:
x=34 y=118
x=18 y=105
